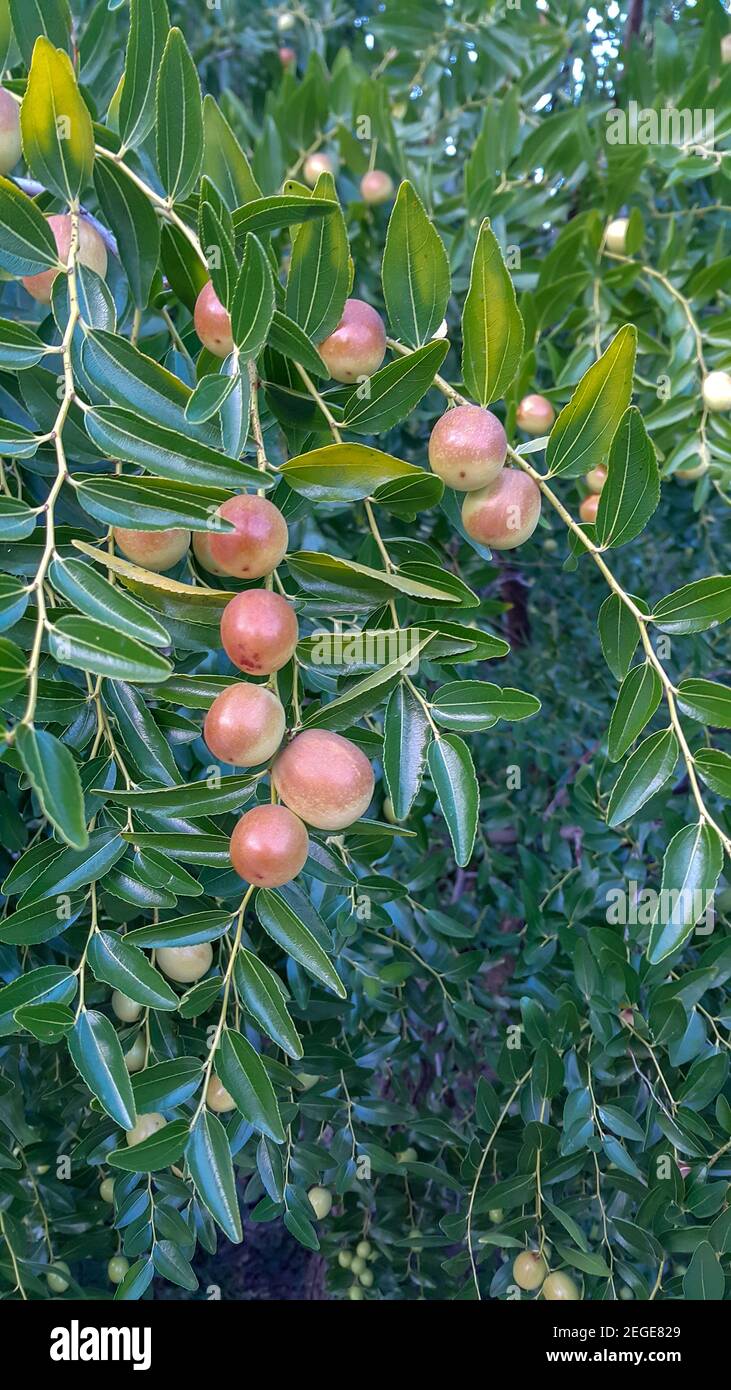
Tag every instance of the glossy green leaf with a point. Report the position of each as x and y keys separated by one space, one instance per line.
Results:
x=124 y=967
x=582 y=433
x=281 y=922
x=639 y=697
x=209 y=1159
x=148 y=30
x=415 y=271
x=632 y=488
x=179 y=123
x=102 y=650
x=54 y=777
x=690 y=872
x=97 y=1055
x=243 y=1074
x=263 y=996
x=453 y=774
x=492 y=327
x=645 y=772
x=58 y=138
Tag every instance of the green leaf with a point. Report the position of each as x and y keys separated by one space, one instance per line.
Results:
x=48 y=1023
x=52 y=984
x=262 y=994
x=58 y=138
x=224 y=161
x=66 y=870
x=17 y=520
x=27 y=244
x=648 y=769
x=97 y=1055
x=13 y=669
x=632 y=488
x=123 y=966
x=179 y=119
x=704 y=1277
x=183 y=931
x=205 y=797
x=159 y=1150
x=319 y=273
x=281 y=922
x=134 y=223
x=136 y=1281
x=696 y=606
x=245 y=1077
x=580 y=436
x=714 y=766
x=415 y=271
x=170 y=1262
x=31 y=18
x=473 y=705
x=152 y=504
x=329 y=576
x=453 y=774
x=286 y=337
x=364 y=695
x=167 y=453
x=617 y=1119
x=639 y=696
x=707 y=701
x=391 y=394
x=20 y=347
x=39 y=921
x=131 y=379
x=691 y=869
x=209 y=396
x=492 y=327
x=148 y=30
x=343 y=472
x=209 y=1159
x=166 y=1084
x=97 y=598
x=407 y=734
x=148 y=746
x=252 y=307
x=282 y=210
x=619 y=634
x=95 y=647
x=54 y=777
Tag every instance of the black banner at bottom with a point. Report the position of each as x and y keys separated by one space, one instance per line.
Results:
x=60 y=1337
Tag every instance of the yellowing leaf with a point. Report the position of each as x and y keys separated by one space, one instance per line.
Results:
x=56 y=128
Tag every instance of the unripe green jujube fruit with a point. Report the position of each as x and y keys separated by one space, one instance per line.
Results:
x=126 y=1009
x=117 y=1268
x=529 y=1270
x=106 y=1190
x=55 y=1280
x=321 y=1201
x=615 y=237
x=185 y=964
x=145 y=1126
x=357 y=1264
x=560 y=1287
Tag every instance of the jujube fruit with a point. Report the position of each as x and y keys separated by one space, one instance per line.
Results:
x=357 y=347
x=212 y=322
x=363 y=1249
x=285 y=22
x=316 y=164
x=560 y=1287
x=92 y=253
x=269 y=846
x=355 y=1293
x=152 y=550
x=306 y=1079
x=218 y=1098
x=117 y=1268
x=506 y=513
x=287 y=56
x=376 y=186
x=529 y=1269
x=202 y=551
x=185 y=963
x=366 y=1278
x=467 y=448
x=717 y=391
x=126 y=1009
x=106 y=1190
x=245 y=725
x=10 y=146
x=259 y=631
x=146 y=1125
x=259 y=542
x=56 y=1282
x=535 y=415
x=615 y=237
x=134 y=1059
x=321 y=1201
x=324 y=778
x=357 y=1264
x=596 y=478
x=726 y=48
x=345 y=1259
x=589 y=507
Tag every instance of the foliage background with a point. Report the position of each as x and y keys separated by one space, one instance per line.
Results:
x=498 y=113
